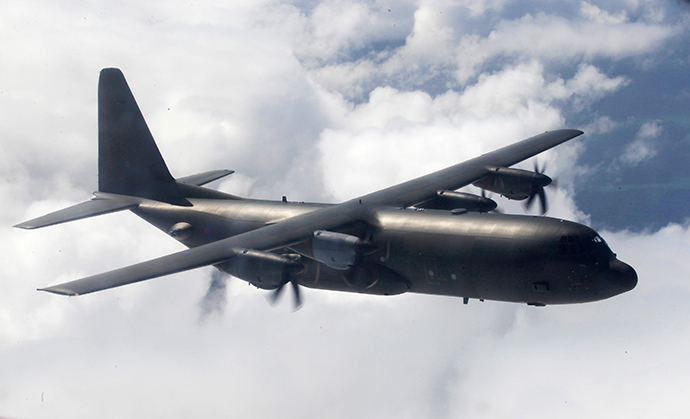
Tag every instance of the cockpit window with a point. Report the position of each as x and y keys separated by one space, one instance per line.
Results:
x=577 y=245
x=572 y=245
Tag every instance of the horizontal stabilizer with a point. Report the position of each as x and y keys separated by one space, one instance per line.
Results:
x=204 y=178
x=101 y=204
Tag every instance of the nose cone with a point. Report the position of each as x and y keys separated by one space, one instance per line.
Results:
x=621 y=275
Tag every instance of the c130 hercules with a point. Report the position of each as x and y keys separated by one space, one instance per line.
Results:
x=418 y=236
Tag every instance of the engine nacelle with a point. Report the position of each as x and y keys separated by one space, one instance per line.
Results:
x=338 y=250
x=263 y=269
x=515 y=184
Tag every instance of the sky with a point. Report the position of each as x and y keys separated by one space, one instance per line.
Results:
x=326 y=101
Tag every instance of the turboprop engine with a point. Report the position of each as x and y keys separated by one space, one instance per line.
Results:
x=512 y=183
x=338 y=250
x=263 y=269
x=517 y=184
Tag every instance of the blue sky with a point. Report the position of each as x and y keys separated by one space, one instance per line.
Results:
x=325 y=101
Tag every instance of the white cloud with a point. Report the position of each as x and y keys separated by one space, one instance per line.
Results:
x=594 y=13
x=478 y=8
x=250 y=89
x=376 y=140
x=641 y=149
x=432 y=34
x=637 y=152
x=602 y=125
x=447 y=47
x=386 y=106
x=650 y=130
x=556 y=38
x=337 y=25
x=590 y=84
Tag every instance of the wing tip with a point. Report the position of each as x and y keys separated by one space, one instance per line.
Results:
x=24 y=226
x=58 y=291
x=571 y=131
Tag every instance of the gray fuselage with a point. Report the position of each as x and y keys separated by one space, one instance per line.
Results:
x=534 y=260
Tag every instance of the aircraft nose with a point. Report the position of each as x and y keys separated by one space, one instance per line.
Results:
x=622 y=275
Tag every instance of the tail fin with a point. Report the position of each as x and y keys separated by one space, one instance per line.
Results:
x=129 y=162
x=130 y=166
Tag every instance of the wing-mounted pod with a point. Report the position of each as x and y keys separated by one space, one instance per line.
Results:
x=452 y=201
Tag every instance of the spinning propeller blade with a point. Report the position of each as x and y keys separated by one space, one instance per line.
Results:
x=540 y=182
x=275 y=294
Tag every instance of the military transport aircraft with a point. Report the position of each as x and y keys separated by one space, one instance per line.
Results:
x=418 y=236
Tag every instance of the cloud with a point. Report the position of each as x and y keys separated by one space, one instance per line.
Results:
x=306 y=105
x=376 y=140
x=650 y=130
x=552 y=37
x=596 y=14
x=334 y=27
x=602 y=125
x=637 y=152
x=641 y=149
x=447 y=48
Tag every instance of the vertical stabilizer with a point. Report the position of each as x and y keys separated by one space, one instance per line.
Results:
x=129 y=162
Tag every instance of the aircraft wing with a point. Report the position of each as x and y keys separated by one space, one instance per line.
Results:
x=296 y=229
x=462 y=174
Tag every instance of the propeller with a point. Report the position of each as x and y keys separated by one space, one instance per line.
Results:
x=275 y=295
x=539 y=182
